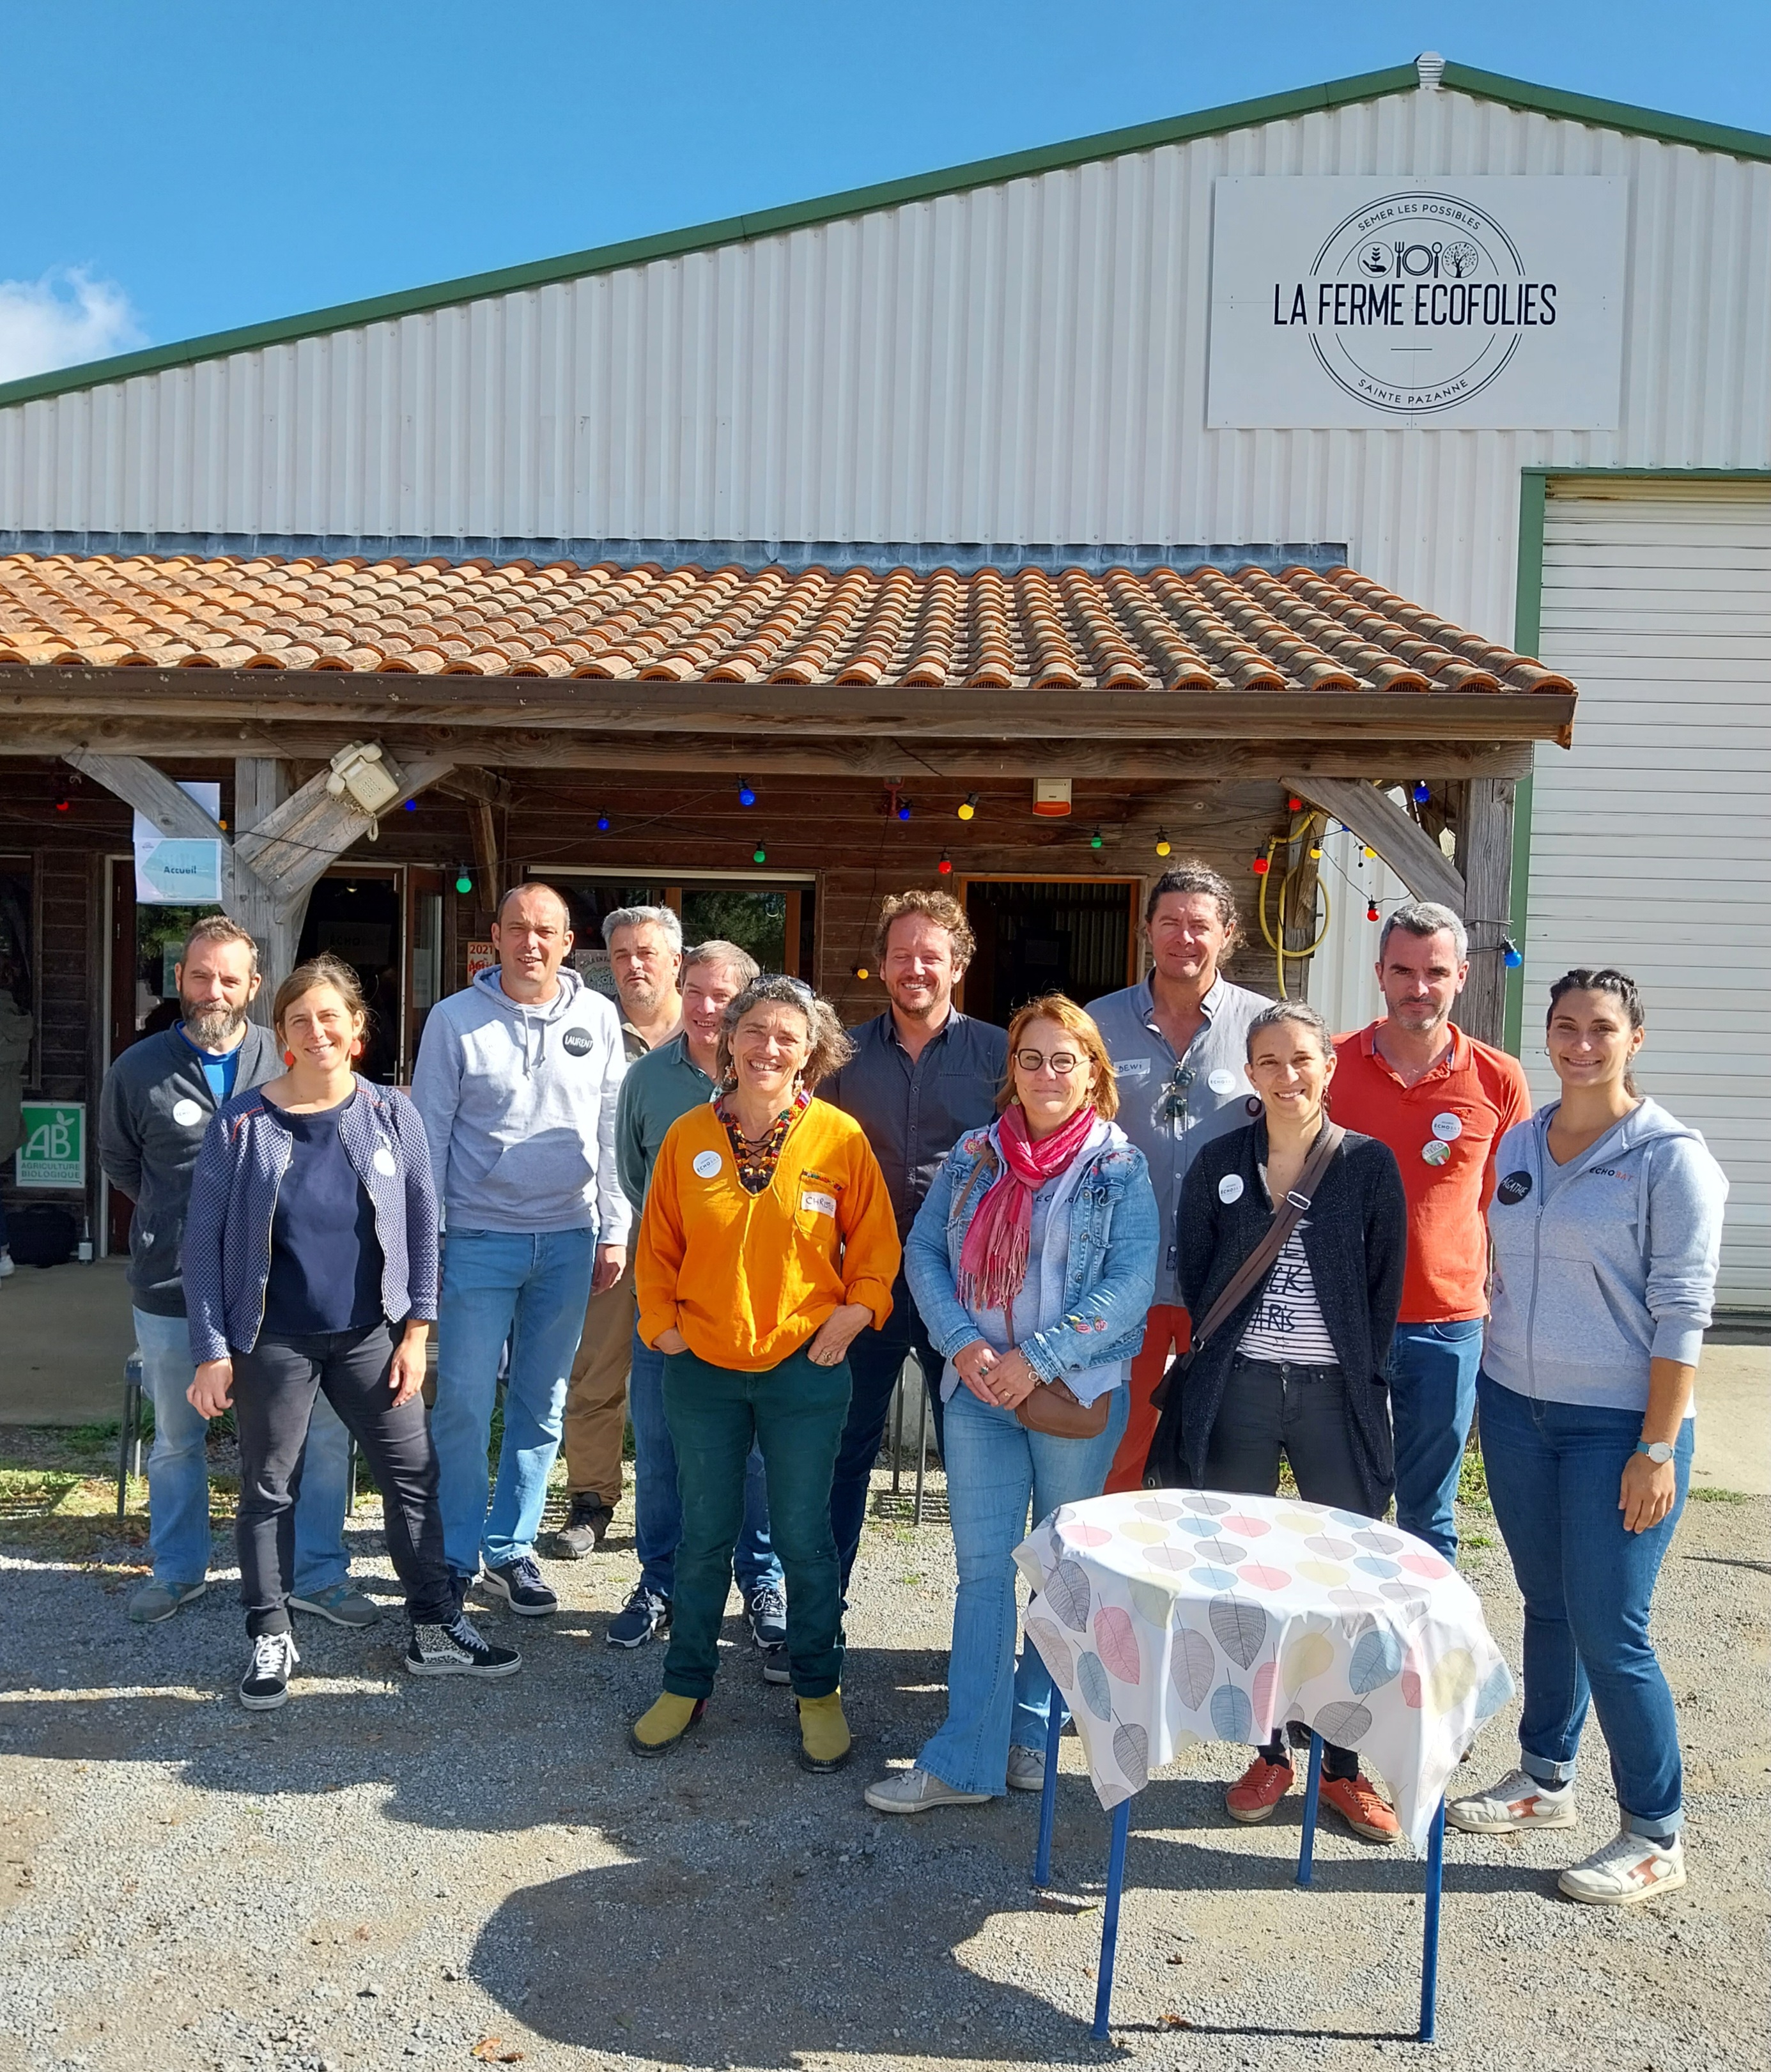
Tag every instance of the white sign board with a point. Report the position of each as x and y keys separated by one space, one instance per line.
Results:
x=1486 y=303
x=172 y=872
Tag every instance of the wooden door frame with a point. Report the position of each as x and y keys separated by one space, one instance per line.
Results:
x=1134 y=887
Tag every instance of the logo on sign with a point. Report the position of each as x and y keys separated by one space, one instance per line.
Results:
x=1416 y=303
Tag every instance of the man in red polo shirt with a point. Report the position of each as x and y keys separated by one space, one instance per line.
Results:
x=1441 y=1101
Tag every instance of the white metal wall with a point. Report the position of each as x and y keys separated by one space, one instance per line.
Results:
x=1025 y=363
x=1650 y=842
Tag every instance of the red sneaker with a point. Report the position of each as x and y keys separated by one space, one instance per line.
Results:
x=1257 y=1791
x=1361 y=1809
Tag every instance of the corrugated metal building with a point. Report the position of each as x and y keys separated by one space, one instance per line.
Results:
x=1013 y=364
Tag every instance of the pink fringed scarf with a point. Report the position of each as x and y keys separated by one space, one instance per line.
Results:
x=993 y=1257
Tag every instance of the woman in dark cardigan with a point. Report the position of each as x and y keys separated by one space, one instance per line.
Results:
x=1298 y=1368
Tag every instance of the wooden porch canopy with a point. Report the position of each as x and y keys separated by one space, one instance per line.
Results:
x=1319 y=680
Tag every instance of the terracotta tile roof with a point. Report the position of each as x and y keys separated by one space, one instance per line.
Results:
x=997 y=629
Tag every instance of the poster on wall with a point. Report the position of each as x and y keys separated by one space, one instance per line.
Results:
x=1484 y=303
x=52 y=1149
x=171 y=871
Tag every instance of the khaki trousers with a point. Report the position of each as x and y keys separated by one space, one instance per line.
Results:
x=596 y=1402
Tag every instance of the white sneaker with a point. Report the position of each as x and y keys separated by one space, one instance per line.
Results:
x=8 y=1264
x=917 y=1791
x=1628 y=1869
x=1517 y=1801
x=1026 y=1769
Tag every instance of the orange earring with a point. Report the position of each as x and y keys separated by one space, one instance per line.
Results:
x=289 y=1057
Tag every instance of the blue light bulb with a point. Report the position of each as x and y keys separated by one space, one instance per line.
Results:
x=602 y=823
x=746 y=796
x=1511 y=955
x=1423 y=793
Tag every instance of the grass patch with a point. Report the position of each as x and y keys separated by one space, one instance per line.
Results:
x=1697 y=1496
x=1472 y=1481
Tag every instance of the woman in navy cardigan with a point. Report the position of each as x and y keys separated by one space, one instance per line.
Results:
x=1298 y=1368
x=310 y=1263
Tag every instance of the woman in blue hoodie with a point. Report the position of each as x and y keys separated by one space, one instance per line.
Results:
x=1606 y=1225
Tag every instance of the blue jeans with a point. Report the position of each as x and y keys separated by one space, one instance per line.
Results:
x=658 y=1503
x=178 y=1473
x=1553 y=1474
x=529 y=1289
x=995 y=1467
x=1432 y=1398
x=875 y=1357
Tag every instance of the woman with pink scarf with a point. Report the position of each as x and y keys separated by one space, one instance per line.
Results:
x=1033 y=1262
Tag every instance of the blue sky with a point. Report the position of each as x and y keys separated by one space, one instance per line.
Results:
x=171 y=170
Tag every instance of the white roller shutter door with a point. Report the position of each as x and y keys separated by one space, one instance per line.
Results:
x=1649 y=841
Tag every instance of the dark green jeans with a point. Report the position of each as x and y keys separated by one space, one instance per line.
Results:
x=794 y=1412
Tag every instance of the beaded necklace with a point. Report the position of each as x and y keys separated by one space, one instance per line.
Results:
x=756 y=1160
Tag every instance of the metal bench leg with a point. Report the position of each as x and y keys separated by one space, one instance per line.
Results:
x=1110 y=1923
x=129 y=1445
x=1306 y=1853
x=1048 y=1794
x=922 y=1439
x=1429 y=1950
x=349 y=1474
x=897 y=1433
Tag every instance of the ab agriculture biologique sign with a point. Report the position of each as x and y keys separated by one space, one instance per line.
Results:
x=1492 y=303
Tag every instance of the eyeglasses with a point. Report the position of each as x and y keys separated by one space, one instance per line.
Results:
x=1062 y=1063
x=1174 y=1094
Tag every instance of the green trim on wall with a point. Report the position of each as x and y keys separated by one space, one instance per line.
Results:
x=1527 y=626
x=892 y=193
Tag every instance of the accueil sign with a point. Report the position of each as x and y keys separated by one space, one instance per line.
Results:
x=1494 y=303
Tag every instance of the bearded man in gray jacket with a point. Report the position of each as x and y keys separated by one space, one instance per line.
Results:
x=516 y=1082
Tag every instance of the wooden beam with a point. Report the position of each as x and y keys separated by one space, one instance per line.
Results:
x=466 y=782
x=861 y=756
x=1485 y=847
x=151 y=793
x=369 y=702
x=485 y=829
x=296 y=842
x=261 y=785
x=1379 y=822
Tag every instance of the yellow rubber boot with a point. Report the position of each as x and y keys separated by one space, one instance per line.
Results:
x=824 y=1740
x=656 y=1732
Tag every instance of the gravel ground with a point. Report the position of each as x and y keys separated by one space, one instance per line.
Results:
x=387 y=1872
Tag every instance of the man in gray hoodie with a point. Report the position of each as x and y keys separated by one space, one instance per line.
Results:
x=517 y=1081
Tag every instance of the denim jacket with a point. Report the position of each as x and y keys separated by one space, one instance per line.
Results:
x=1111 y=1275
x=233 y=1202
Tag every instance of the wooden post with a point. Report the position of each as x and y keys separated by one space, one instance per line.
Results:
x=1485 y=856
x=261 y=785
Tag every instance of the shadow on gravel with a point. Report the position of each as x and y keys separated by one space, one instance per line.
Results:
x=667 y=1961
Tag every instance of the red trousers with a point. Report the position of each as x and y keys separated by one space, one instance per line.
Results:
x=1167 y=1325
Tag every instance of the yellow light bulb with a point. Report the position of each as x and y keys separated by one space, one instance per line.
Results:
x=1368 y=851
x=1162 y=845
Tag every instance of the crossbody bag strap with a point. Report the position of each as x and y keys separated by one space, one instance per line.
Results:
x=1259 y=1263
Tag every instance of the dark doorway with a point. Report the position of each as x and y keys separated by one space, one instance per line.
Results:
x=1038 y=936
x=358 y=918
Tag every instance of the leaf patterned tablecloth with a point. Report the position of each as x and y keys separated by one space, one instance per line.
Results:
x=1179 y=1616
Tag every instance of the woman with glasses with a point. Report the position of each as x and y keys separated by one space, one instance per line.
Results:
x=1297 y=1367
x=767 y=1242
x=1032 y=1260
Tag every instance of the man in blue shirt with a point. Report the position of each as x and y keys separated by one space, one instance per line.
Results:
x=922 y=1074
x=154 y=1108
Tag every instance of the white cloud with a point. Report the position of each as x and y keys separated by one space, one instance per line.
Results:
x=63 y=318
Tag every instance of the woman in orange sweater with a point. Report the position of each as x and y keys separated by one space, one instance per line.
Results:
x=767 y=1244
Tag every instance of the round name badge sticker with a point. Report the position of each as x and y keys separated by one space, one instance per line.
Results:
x=1221 y=1081
x=1446 y=1126
x=186 y=1112
x=1513 y=1188
x=383 y=1162
x=578 y=1042
x=707 y=1164
x=1436 y=1153
x=1229 y=1188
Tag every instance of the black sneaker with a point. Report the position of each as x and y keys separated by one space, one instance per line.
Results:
x=645 y=1613
x=767 y=1612
x=265 y=1684
x=584 y=1530
x=518 y=1583
x=458 y=1650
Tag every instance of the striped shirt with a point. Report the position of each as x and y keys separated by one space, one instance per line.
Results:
x=1286 y=1323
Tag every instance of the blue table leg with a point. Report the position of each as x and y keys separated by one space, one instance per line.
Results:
x=1429 y=1952
x=1048 y=1794
x=1110 y=1924
x=1306 y=1854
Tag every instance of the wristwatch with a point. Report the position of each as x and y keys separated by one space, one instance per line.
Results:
x=1657 y=1451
